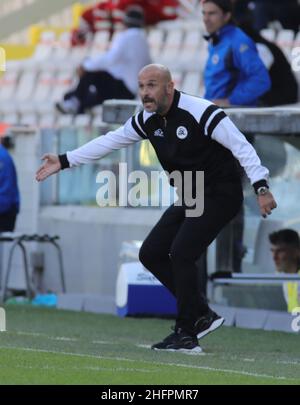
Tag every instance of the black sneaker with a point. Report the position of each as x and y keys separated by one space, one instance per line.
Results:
x=179 y=341
x=66 y=107
x=208 y=323
x=59 y=106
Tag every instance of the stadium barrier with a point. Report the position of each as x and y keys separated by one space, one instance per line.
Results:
x=283 y=120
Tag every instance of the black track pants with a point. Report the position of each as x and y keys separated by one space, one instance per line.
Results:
x=95 y=87
x=176 y=242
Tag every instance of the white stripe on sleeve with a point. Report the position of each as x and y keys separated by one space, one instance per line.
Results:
x=211 y=117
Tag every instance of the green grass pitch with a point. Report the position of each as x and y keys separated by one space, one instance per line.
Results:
x=49 y=346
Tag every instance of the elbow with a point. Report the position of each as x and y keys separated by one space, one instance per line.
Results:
x=263 y=83
x=266 y=84
x=269 y=84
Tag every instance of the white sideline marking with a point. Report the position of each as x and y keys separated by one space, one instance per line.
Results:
x=144 y=346
x=103 y=342
x=149 y=362
x=28 y=333
x=91 y=368
x=62 y=338
x=143 y=370
x=293 y=363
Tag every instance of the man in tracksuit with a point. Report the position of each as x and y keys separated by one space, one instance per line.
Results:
x=234 y=73
x=188 y=134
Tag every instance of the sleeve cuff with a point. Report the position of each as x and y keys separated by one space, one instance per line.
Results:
x=63 y=161
x=260 y=183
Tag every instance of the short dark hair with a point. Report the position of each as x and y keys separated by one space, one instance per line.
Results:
x=225 y=5
x=286 y=236
x=7 y=142
x=134 y=17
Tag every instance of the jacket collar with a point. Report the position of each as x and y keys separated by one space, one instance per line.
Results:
x=215 y=37
x=174 y=104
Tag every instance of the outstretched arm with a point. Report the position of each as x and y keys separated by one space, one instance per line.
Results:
x=91 y=151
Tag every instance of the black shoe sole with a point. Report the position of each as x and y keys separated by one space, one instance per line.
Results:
x=215 y=325
x=195 y=350
x=60 y=109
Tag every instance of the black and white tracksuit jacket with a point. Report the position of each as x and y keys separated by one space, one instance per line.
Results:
x=195 y=135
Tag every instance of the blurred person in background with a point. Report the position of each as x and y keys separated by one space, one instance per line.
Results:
x=264 y=12
x=112 y=75
x=273 y=58
x=108 y=14
x=285 y=248
x=234 y=73
x=9 y=192
x=260 y=11
x=284 y=86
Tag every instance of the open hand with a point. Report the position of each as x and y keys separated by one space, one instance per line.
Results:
x=51 y=165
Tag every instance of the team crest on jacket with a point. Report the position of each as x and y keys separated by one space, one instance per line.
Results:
x=182 y=132
x=243 y=48
x=215 y=59
x=159 y=132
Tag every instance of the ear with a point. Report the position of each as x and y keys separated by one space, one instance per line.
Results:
x=227 y=17
x=170 y=87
